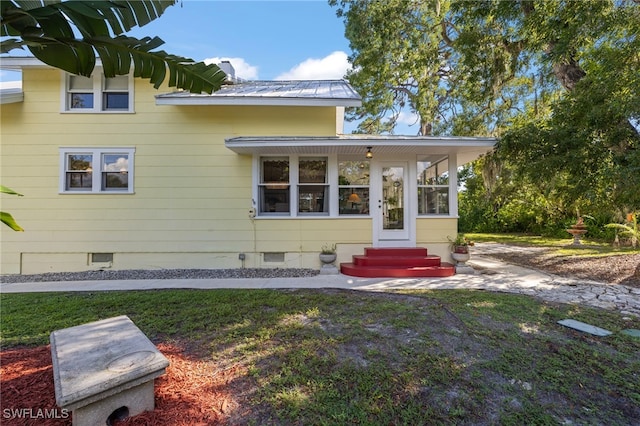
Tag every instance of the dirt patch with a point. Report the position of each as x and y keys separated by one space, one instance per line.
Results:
x=619 y=269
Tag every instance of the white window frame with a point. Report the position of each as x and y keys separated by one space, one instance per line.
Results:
x=354 y=186
x=326 y=186
x=334 y=187
x=96 y=170
x=437 y=187
x=98 y=91
x=294 y=184
x=260 y=186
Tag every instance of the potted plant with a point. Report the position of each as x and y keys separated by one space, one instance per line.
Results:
x=328 y=254
x=460 y=244
x=460 y=248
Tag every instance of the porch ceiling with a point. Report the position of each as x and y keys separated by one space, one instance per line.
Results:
x=466 y=148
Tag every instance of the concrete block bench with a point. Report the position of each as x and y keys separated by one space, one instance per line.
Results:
x=104 y=370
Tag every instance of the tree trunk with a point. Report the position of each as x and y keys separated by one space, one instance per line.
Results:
x=568 y=74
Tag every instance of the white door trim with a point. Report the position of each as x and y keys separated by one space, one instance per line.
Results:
x=393 y=238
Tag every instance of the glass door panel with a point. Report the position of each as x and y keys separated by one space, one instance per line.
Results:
x=393 y=198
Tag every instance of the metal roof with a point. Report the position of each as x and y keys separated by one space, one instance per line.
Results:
x=292 y=92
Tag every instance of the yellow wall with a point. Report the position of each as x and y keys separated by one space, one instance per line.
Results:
x=192 y=195
x=433 y=233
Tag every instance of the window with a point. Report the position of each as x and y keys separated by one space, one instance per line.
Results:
x=274 y=186
x=95 y=170
x=98 y=94
x=353 y=187
x=433 y=185
x=304 y=186
x=307 y=177
x=313 y=188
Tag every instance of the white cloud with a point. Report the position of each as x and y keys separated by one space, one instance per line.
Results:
x=408 y=118
x=333 y=66
x=243 y=69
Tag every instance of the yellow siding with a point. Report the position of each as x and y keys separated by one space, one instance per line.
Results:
x=192 y=195
x=433 y=232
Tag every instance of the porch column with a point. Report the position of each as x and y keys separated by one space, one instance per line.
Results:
x=453 y=184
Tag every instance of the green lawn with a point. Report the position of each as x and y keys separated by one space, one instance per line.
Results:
x=561 y=246
x=338 y=357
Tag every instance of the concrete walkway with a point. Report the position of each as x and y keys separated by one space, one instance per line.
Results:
x=490 y=274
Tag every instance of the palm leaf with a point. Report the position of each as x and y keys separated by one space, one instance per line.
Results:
x=6 y=190
x=624 y=230
x=8 y=220
x=44 y=28
x=5 y=217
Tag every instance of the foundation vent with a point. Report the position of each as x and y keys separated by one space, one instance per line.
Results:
x=273 y=257
x=101 y=259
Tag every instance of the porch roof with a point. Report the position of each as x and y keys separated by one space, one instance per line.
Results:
x=466 y=148
x=11 y=92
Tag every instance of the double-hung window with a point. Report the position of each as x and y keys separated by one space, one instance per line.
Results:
x=353 y=187
x=313 y=186
x=433 y=186
x=293 y=186
x=274 y=189
x=96 y=170
x=97 y=93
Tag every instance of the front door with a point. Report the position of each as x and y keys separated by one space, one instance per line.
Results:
x=390 y=205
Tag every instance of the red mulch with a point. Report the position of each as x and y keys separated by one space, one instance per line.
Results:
x=191 y=392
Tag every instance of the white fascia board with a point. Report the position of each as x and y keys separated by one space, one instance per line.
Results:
x=466 y=148
x=17 y=63
x=11 y=96
x=379 y=141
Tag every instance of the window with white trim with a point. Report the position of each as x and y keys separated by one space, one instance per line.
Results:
x=353 y=187
x=293 y=186
x=433 y=185
x=96 y=170
x=313 y=186
x=97 y=93
x=274 y=189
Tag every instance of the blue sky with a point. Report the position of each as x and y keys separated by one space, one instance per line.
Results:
x=264 y=40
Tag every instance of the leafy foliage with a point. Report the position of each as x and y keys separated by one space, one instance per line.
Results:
x=5 y=217
x=49 y=29
x=630 y=229
x=398 y=62
x=556 y=81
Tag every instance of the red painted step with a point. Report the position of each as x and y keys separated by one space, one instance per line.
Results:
x=395 y=251
x=444 y=270
x=407 y=261
x=397 y=262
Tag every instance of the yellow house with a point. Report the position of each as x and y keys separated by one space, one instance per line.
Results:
x=118 y=175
